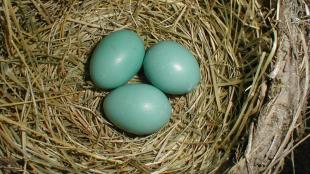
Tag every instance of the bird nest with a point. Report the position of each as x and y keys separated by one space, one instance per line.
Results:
x=254 y=65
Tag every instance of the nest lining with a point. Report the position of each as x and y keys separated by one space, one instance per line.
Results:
x=51 y=119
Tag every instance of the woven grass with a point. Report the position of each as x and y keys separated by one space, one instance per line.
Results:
x=50 y=112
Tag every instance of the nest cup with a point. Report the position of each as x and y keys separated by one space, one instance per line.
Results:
x=50 y=112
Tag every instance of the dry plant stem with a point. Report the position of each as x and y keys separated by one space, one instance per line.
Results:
x=50 y=113
x=277 y=121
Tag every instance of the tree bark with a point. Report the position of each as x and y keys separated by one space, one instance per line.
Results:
x=270 y=139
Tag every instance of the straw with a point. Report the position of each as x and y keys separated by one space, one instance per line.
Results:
x=51 y=120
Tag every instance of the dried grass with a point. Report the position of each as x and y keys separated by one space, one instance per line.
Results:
x=50 y=112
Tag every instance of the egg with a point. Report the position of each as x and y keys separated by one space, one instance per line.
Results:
x=171 y=67
x=139 y=109
x=116 y=59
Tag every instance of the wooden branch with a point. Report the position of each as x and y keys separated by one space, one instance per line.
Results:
x=269 y=140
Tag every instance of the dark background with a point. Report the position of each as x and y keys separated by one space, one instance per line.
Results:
x=301 y=156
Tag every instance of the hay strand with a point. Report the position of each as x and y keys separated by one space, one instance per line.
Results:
x=50 y=113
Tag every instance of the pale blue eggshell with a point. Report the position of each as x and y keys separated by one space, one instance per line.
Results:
x=116 y=59
x=171 y=67
x=139 y=109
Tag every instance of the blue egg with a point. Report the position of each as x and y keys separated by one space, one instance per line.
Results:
x=116 y=59
x=139 y=109
x=171 y=67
